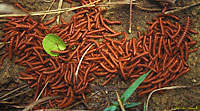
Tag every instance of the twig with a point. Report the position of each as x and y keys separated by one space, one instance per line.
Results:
x=51 y=11
x=79 y=64
x=165 y=88
x=30 y=106
x=120 y=102
x=182 y=8
x=147 y=9
x=60 y=110
x=3 y=20
x=49 y=110
x=4 y=42
x=59 y=7
x=2 y=53
x=73 y=105
x=42 y=90
x=1 y=46
x=48 y=9
x=6 y=102
x=47 y=1
x=17 y=106
x=131 y=4
x=24 y=92
x=109 y=4
x=116 y=3
x=13 y=91
x=82 y=101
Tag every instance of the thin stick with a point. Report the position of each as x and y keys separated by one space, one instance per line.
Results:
x=51 y=11
x=182 y=8
x=82 y=101
x=131 y=4
x=59 y=7
x=47 y=1
x=42 y=90
x=13 y=91
x=6 y=102
x=3 y=20
x=147 y=9
x=49 y=110
x=30 y=106
x=48 y=9
x=17 y=106
x=73 y=105
x=109 y=4
x=1 y=46
x=117 y=3
x=4 y=42
x=120 y=102
x=17 y=94
x=165 y=88
x=79 y=64
x=2 y=53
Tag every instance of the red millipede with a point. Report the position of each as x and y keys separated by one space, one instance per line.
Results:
x=160 y=46
x=140 y=94
x=107 y=69
x=144 y=86
x=181 y=73
x=50 y=21
x=113 y=60
x=106 y=82
x=184 y=32
x=139 y=55
x=107 y=60
x=111 y=49
x=169 y=15
x=101 y=73
x=115 y=47
x=132 y=65
x=112 y=22
x=122 y=70
x=86 y=73
x=107 y=27
x=186 y=50
x=161 y=26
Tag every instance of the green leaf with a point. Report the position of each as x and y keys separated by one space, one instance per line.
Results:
x=133 y=87
x=115 y=103
x=129 y=105
x=144 y=107
x=111 y=108
x=53 y=42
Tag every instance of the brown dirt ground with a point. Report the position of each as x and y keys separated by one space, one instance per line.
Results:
x=169 y=100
